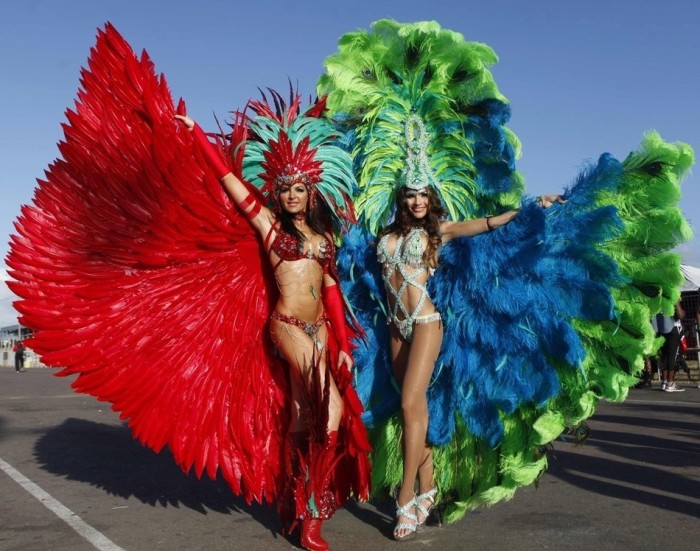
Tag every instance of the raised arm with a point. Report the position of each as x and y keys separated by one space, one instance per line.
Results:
x=260 y=217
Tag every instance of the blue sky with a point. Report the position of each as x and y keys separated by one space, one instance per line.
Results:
x=583 y=78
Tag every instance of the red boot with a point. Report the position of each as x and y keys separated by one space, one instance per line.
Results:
x=320 y=473
x=311 y=535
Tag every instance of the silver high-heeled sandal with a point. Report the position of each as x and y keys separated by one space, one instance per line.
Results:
x=421 y=509
x=406 y=511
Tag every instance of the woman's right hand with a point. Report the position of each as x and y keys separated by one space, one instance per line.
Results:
x=184 y=119
x=345 y=359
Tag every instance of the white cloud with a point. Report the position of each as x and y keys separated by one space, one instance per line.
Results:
x=689 y=254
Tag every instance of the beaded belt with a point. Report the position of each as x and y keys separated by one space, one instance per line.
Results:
x=310 y=328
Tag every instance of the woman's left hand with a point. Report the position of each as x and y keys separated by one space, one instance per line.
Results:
x=346 y=359
x=546 y=201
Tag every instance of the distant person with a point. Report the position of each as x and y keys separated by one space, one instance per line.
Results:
x=646 y=376
x=670 y=328
x=19 y=356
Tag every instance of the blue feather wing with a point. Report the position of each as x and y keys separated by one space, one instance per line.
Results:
x=509 y=299
x=363 y=287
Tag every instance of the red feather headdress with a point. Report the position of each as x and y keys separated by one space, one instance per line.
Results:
x=286 y=145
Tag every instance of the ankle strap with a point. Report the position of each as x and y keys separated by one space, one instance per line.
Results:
x=403 y=510
x=430 y=494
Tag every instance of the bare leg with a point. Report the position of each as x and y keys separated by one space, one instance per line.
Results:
x=303 y=355
x=413 y=366
x=425 y=471
x=335 y=407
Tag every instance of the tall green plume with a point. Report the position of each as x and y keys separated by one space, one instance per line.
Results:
x=381 y=79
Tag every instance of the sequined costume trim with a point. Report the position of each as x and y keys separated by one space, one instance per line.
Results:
x=288 y=248
x=408 y=253
x=405 y=326
x=310 y=328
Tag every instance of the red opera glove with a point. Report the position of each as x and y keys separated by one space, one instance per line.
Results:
x=335 y=308
x=212 y=156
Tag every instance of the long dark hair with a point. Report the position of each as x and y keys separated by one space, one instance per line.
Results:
x=317 y=218
x=404 y=222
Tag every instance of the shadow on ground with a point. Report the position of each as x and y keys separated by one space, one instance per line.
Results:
x=651 y=470
x=107 y=457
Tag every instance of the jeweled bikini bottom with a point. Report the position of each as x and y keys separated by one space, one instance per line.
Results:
x=405 y=326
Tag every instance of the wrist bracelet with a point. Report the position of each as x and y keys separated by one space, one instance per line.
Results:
x=489 y=227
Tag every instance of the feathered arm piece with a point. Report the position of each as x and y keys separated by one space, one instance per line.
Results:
x=335 y=306
x=646 y=201
x=212 y=156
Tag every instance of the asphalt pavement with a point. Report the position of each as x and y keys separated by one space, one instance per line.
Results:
x=73 y=479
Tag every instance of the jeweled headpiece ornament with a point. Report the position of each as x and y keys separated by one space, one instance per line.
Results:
x=286 y=146
x=417 y=174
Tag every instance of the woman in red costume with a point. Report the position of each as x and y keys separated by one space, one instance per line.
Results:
x=141 y=278
x=301 y=251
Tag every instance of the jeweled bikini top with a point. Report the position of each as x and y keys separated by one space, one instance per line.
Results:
x=288 y=248
x=408 y=260
x=408 y=250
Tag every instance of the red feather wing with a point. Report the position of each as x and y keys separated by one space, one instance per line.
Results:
x=139 y=275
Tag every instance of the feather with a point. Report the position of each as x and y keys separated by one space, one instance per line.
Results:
x=139 y=276
x=543 y=317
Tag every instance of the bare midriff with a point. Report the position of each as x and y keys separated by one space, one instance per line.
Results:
x=300 y=284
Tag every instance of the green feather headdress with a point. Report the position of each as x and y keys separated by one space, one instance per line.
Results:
x=408 y=91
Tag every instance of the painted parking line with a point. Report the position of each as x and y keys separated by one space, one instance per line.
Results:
x=87 y=532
